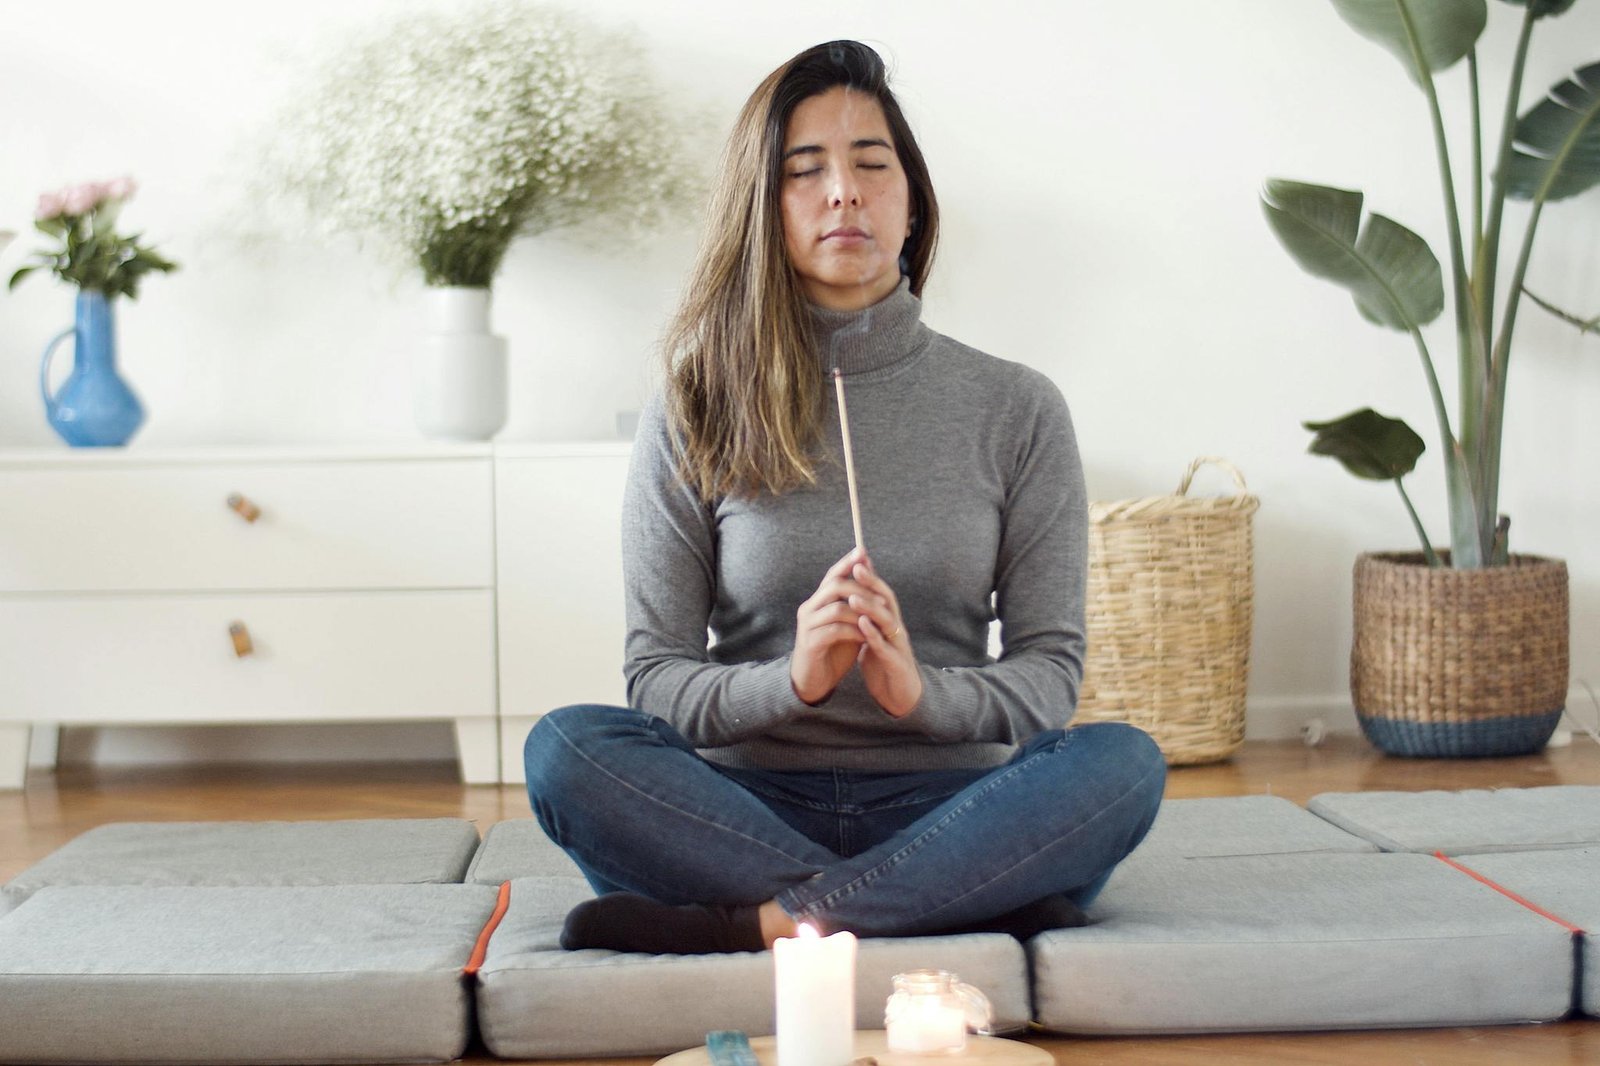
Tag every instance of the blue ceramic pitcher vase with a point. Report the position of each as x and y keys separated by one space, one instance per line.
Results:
x=94 y=407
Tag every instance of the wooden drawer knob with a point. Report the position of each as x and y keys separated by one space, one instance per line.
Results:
x=241 y=640
x=247 y=510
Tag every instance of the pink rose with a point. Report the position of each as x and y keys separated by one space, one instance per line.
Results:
x=121 y=188
x=81 y=199
x=50 y=206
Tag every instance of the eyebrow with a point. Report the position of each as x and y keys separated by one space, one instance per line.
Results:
x=865 y=142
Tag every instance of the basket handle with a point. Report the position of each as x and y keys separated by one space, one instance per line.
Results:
x=1238 y=478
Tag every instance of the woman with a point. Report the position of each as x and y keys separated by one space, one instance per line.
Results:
x=844 y=752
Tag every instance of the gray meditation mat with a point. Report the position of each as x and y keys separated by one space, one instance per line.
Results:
x=1565 y=883
x=1472 y=821
x=537 y=1001
x=367 y=973
x=1297 y=942
x=398 y=851
x=1241 y=825
x=518 y=848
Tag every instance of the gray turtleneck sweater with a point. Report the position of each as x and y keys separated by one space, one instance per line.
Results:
x=970 y=485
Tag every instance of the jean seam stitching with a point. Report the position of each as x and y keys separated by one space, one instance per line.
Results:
x=555 y=727
x=1101 y=813
x=866 y=877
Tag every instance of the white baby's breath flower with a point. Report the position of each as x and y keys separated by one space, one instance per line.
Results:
x=446 y=134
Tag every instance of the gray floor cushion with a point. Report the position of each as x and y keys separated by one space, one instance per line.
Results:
x=1471 y=821
x=518 y=848
x=366 y=973
x=1241 y=825
x=1299 y=942
x=371 y=851
x=537 y=1001
x=1565 y=883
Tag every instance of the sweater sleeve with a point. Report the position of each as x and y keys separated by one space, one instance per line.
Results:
x=1040 y=577
x=669 y=564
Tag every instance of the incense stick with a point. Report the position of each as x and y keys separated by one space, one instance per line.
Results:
x=849 y=458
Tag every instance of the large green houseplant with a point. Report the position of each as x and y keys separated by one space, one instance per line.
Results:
x=1551 y=152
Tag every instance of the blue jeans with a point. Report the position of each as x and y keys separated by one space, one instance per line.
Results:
x=886 y=854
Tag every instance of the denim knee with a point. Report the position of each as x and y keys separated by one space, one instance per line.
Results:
x=1128 y=751
x=560 y=734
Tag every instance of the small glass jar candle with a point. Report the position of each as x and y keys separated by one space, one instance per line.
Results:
x=930 y=1011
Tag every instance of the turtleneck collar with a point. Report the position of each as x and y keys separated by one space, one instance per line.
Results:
x=871 y=338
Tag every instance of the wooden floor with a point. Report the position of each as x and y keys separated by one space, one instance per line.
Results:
x=56 y=807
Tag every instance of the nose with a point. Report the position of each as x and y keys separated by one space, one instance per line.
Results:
x=843 y=189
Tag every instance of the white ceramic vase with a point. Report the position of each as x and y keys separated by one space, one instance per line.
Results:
x=458 y=371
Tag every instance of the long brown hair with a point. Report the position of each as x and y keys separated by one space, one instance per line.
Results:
x=744 y=394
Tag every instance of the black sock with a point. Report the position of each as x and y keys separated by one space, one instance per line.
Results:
x=1030 y=919
x=623 y=921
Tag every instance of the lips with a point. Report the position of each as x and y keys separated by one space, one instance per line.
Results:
x=845 y=231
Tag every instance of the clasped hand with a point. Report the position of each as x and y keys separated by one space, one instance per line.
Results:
x=854 y=619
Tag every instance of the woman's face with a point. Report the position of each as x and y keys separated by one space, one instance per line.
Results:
x=845 y=200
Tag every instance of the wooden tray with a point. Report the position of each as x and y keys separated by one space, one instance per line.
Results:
x=980 y=1051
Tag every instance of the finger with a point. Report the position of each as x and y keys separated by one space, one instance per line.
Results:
x=869 y=578
x=836 y=611
x=829 y=587
x=877 y=608
x=875 y=636
x=836 y=633
x=845 y=563
x=835 y=589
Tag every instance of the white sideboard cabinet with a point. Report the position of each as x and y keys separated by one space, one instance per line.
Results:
x=558 y=522
x=474 y=583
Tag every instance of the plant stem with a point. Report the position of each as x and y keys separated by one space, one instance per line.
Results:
x=1501 y=362
x=1477 y=162
x=1416 y=522
x=1486 y=269
x=1489 y=254
x=1585 y=325
x=1442 y=413
x=1472 y=375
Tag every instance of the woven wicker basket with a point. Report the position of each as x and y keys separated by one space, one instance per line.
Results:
x=1168 y=611
x=1459 y=662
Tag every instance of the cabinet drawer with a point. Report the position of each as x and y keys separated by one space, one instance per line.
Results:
x=334 y=525
x=329 y=657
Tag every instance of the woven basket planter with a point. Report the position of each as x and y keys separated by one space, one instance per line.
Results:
x=1459 y=662
x=1168 y=609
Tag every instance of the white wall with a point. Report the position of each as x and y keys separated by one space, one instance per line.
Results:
x=1097 y=166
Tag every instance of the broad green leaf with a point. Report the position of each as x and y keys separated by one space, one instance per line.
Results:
x=1404 y=268
x=1543 y=8
x=1445 y=30
x=1392 y=273
x=1557 y=142
x=1369 y=445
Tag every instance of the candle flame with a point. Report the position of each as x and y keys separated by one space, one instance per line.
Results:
x=807 y=931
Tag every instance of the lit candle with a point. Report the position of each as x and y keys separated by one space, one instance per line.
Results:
x=815 y=979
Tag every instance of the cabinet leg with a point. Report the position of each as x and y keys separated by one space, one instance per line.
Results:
x=477 y=747
x=14 y=753
x=514 y=730
x=44 y=751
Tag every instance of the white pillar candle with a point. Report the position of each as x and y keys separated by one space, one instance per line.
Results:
x=924 y=1023
x=815 y=979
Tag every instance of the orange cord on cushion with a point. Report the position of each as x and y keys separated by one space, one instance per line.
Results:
x=481 y=948
x=1506 y=892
